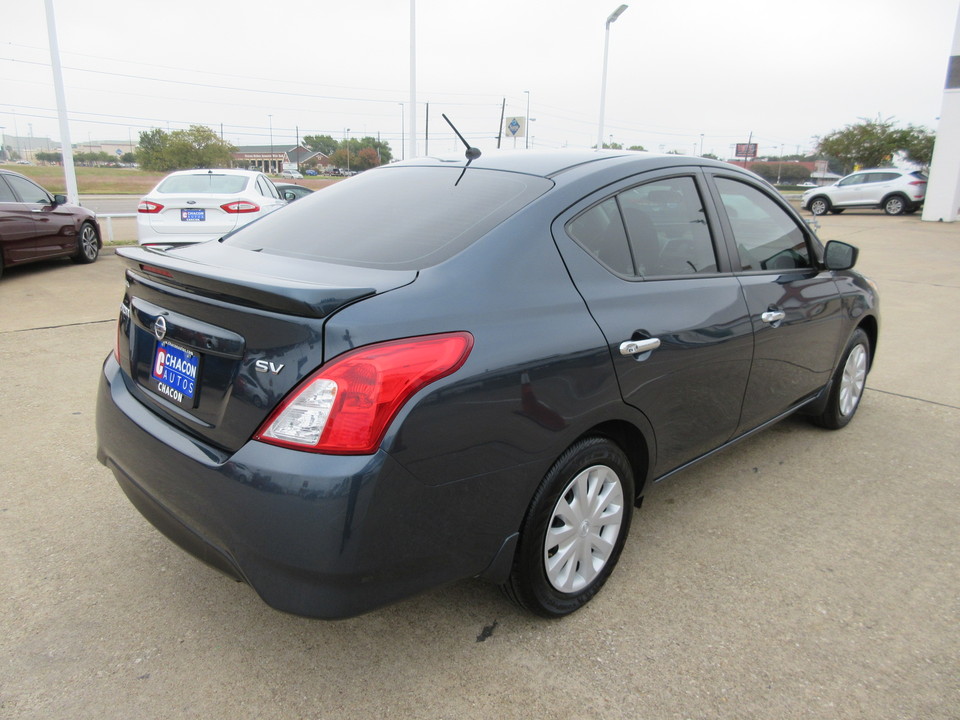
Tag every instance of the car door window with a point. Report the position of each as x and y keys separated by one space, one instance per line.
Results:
x=28 y=192
x=852 y=180
x=767 y=237
x=657 y=229
x=267 y=188
x=6 y=194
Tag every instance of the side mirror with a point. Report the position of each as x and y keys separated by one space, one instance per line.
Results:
x=289 y=196
x=840 y=256
x=59 y=200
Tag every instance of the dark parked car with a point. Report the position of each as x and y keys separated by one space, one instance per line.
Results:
x=441 y=370
x=292 y=191
x=35 y=225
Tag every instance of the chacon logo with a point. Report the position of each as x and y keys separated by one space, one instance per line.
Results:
x=160 y=328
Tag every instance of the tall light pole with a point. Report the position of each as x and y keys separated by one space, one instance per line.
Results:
x=270 y=118
x=526 y=126
x=413 y=79
x=603 y=82
x=403 y=149
x=66 y=150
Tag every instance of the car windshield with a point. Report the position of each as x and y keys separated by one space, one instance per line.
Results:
x=204 y=183
x=404 y=218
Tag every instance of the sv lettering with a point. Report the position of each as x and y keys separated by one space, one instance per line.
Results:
x=268 y=367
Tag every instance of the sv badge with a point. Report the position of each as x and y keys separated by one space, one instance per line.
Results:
x=268 y=367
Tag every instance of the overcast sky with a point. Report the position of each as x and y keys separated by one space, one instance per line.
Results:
x=678 y=69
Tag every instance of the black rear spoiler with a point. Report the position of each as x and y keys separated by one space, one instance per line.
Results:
x=266 y=282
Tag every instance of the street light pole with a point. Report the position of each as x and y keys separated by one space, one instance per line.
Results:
x=270 y=162
x=526 y=127
x=603 y=82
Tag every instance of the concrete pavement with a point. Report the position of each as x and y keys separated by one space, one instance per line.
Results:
x=801 y=574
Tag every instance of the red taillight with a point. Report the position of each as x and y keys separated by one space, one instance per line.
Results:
x=240 y=206
x=156 y=270
x=918 y=182
x=345 y=407
x=149 y=207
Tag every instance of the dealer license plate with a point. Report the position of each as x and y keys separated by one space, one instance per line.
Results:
x=193 y=214
x=175 y=371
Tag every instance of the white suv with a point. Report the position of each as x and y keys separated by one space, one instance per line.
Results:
x=895 y=191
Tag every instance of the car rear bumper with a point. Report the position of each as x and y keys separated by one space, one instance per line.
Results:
x=315 y=535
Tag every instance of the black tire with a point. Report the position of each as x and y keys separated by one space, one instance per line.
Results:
x=88 y=245
x=849 y=382
x=583 y=505
x=820 y=205
x=837 y=211
x=895 y=205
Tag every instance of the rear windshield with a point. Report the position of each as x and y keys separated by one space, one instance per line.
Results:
x=203 y=183
x=403 y=218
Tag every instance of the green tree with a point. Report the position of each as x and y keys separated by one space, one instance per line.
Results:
x=198 y=146
x=321 y=143
x=50 y=157
x=153 y=150
x=873 y=143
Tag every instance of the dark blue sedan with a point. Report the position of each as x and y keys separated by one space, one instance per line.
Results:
x=439 y=370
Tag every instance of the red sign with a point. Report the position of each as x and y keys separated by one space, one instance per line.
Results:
x=747 y=150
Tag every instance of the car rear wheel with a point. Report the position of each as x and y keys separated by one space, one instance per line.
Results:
x=88 y=245
x=819 y=206
x=849 y=381
x=895 y=205
x=574 y=530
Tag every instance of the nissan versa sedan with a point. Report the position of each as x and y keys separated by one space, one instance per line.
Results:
x=441 y=370
x=191 y=206
x=35 y=225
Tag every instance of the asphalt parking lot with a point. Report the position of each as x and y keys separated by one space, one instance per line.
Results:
x=801 y=574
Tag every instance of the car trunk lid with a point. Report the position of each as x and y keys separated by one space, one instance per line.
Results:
x=213 y=337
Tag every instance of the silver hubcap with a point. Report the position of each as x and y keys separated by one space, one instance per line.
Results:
x=895 y=206
x=88 y=242
x=853 y=380
x=819 y=207
x=583 y=529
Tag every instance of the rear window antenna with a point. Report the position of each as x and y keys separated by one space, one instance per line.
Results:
x=472 y=152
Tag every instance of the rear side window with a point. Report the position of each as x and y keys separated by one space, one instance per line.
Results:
x=402 y=218
x=767 y=237
x=203 y=183
x=657 y=229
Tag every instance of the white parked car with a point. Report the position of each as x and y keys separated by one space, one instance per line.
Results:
x=191 y=206
x=894 y=191
x=291 y=175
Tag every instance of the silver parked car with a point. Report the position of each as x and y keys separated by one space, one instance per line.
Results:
x=894 y=191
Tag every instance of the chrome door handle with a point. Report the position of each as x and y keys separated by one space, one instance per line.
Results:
x=636 y=347
x=773 y=316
